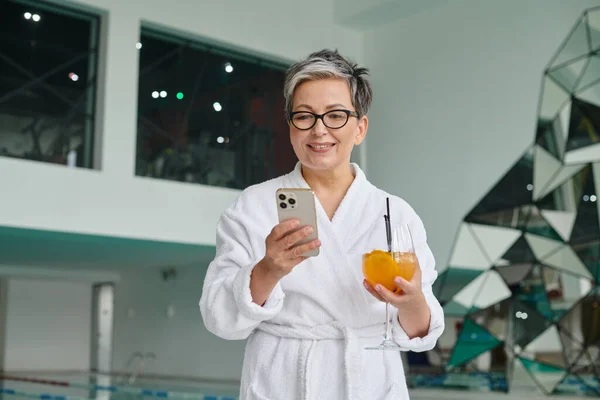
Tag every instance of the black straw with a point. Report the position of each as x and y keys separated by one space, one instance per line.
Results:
x=388 y=227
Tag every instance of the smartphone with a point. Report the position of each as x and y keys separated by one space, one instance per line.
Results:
x=299 y=204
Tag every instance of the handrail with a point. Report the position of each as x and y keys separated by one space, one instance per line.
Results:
x=140 y=366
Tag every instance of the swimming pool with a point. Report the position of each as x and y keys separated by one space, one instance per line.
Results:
x=90 y=386
x=86 y=386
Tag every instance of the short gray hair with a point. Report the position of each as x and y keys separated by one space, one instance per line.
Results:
x=329 y=64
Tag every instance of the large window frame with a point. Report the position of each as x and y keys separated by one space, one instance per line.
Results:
x=87 y=157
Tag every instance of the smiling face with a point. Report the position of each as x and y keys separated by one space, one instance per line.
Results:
x=321 y=148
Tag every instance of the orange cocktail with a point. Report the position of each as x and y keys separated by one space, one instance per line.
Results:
x=381 y=267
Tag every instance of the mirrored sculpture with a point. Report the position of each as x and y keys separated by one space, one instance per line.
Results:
x=523 y=277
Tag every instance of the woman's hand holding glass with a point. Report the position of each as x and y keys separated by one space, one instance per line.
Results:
x=394 y=277
x=405 y=294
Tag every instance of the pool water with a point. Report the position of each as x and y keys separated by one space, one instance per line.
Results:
x=106 y=387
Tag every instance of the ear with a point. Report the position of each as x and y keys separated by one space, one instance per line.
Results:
x=361 y=130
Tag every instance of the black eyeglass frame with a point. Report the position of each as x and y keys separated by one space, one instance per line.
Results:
x=321 y=117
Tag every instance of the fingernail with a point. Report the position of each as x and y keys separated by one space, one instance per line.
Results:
x=398 y=280
x=295 y=223
x=308 y=229
x=378 y=288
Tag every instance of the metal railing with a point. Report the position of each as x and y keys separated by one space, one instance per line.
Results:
x=136 y=365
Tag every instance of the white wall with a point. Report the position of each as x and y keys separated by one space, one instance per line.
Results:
x=181 y=343
x=48 y=325
x=114 y=202
x=456 y=93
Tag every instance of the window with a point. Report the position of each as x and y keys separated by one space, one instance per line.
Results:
x=47 y=83
x=209 y=116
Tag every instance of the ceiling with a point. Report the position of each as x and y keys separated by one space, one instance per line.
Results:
x=361 y=15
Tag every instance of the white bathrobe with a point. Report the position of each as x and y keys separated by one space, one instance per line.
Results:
x=307 y=341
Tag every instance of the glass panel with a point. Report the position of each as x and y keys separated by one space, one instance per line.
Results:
x=587 y=363
x=545 y=375
x=454 y=309
x=563 y=289
x=512 y=190
x=583 y=155
x=591 y=75
x=494 y=319
x=516 y=217
x=545 y=167
x=451 y=281
x=552 y=133
x=561 y=177
x=561 y=221
x=473 y=340
x=584 y=125
x=572 y=348
x=566 y=260
x=568 y=195
x=467 y=295
x=575 y=46
x=541 y=246
x=596 y=195
x=546 y=348
x=587 y=223
x=519 y=254
x=594 y=28
x=485 y=290
x=493 y=291
x=514 y=274
x=554 y=97
x=531 y=291
x=528 y=323
x=540 y=227
x=580 y=329
x=494 y=240
x=591 y=94
x=567 y=75
x=47 y=91
x=208 y=115
x=467 y=252
x=520 y=380
x=589 y=254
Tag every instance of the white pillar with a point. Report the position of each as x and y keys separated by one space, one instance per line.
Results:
x=117 y=104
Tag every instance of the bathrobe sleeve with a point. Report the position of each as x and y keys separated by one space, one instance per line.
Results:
x=429 y=275
x=226 y=303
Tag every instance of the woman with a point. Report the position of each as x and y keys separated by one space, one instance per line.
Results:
x=307 y=321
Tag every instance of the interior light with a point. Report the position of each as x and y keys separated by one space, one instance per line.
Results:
x=36 y=17
x=163 y=94
x=593 y=198
x=524 y=315
x=27 y=15
x=138 y=45
x=73 y=76
x=530 y=187
x=586 y=198
x=220 y=139
x=226 y=140
x=519 y=314
x=155 y=94
x=217 y=106
x=179 y=96
x=228 y=68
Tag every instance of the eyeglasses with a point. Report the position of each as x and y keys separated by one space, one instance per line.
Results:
x=334 y=119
